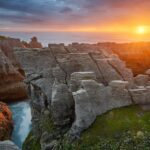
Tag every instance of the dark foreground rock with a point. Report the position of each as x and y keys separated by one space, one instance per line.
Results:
x=6 y=124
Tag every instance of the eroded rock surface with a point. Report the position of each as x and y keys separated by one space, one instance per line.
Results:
x=7 y=45
x=11 y=81
x=136 y=55
x=74 y=84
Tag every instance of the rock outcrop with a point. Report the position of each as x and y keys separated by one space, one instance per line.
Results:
x=72 y=85
x=6 y=45
x=8 y=145
x=12 y=86
x=6 y=124
x=34 y=43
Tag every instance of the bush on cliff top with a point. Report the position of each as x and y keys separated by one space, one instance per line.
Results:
x=3 y=37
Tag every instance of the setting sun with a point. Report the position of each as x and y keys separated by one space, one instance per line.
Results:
x=141 y=30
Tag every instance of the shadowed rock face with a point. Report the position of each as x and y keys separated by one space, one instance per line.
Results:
x=74 y=84
x=6 y=124
x=11 y=81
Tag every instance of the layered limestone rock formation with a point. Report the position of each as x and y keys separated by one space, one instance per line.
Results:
x=12 y=86
x=6 y=45
x=6 y=124
x=136 y=54
x=71 y=85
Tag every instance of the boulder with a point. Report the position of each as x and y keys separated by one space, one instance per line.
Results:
x=62 y=104
x=84 y=114
x=141 y=80
x=8 y=145
x=140 y=96
x=94 y=99
x=118 y=84
x=77 y=77
x=147 y=72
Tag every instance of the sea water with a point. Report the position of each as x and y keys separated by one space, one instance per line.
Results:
x=22 y=121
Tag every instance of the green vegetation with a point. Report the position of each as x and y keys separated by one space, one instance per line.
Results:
x=115 y=122
x=125 y=142
x=3 y=37
x=31 y=143
x=46 y=123
x=120 y=129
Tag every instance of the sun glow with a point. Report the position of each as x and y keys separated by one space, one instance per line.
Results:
x=141 y=30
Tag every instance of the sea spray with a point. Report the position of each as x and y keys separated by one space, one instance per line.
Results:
x=22 y=121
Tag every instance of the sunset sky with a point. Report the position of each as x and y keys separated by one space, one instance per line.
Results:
x=75 y=15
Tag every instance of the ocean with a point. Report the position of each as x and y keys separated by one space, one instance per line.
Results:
x=69 y=37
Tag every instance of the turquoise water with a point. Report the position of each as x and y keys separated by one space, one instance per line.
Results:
x=22 y=121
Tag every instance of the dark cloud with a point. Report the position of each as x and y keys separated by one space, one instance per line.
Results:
x=20 y=18
x=66 y=10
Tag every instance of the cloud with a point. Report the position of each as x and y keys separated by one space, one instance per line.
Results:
x=66 y=10
x=73 y=12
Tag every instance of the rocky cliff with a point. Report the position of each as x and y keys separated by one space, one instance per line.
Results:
x=6 y=45
x=136 y=55
x=12 y=86
x=71 y=85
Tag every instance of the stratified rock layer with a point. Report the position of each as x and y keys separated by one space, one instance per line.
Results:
x=74 y=84
x=11 y=81
x=7 y=45
x=136 y=55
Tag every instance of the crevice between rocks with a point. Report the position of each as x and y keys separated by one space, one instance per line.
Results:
x=99 y=69
x=116 y=69
x=66 y=76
